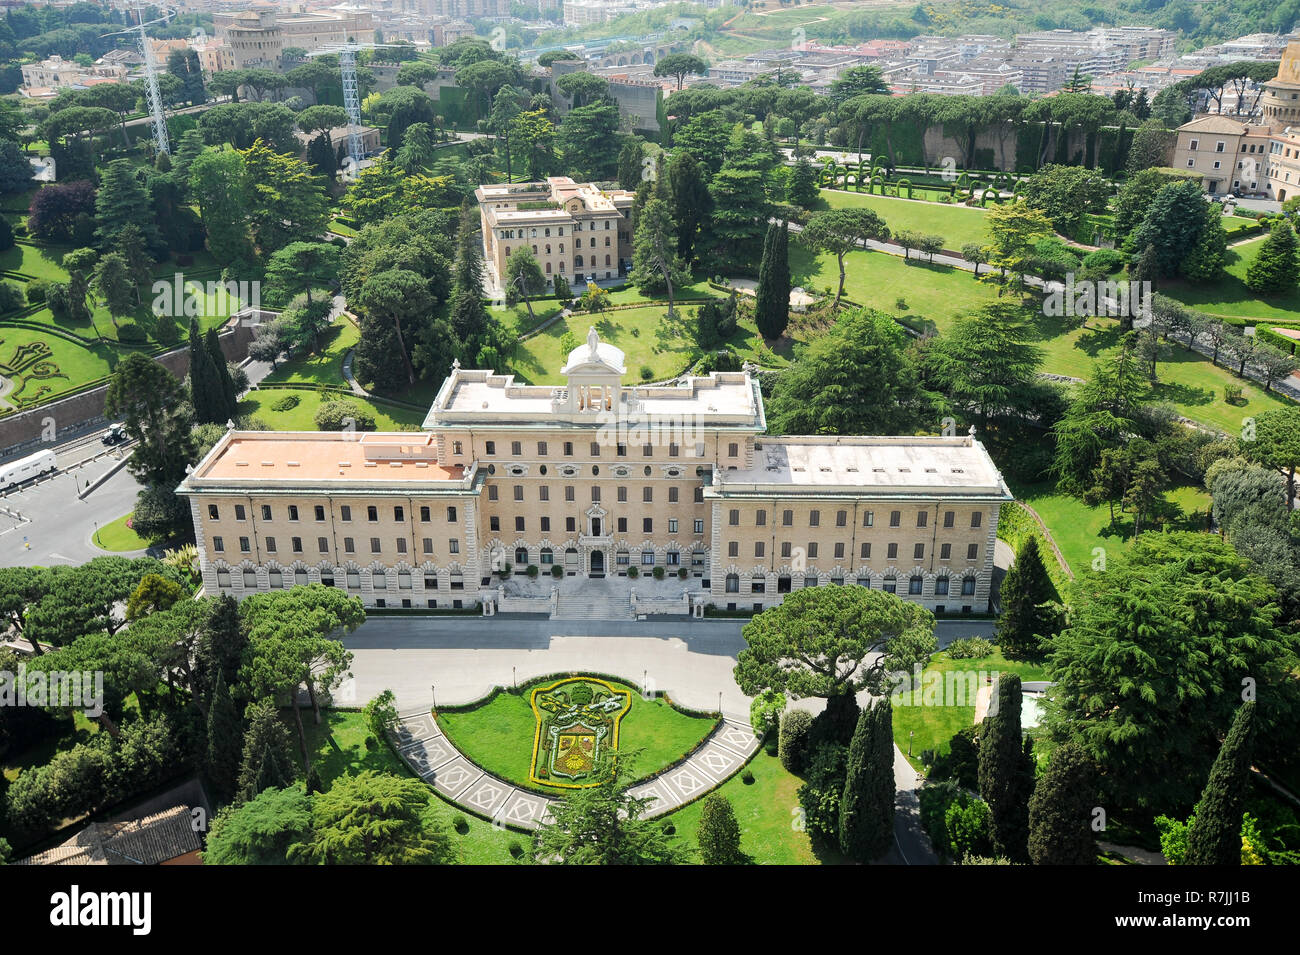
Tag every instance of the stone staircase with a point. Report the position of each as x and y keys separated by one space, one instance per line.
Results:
x=592 y=607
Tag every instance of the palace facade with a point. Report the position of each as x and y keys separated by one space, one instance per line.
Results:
x=598 y=479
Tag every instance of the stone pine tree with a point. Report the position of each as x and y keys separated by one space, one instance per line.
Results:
x=1006 y=771
x=772 y=301
x=1277 y=266
x=1060 y=810
x=229 y=394
x=867 y=807
x=225 y=734
x=719 y=833
x=268 y=752
x=205 y=387
x=1214 y=836
x=1025 y=589
x=655 y=262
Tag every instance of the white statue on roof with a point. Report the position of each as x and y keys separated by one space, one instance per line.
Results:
x=593 y=343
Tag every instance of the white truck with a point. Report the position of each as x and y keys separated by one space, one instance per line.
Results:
x=25 y=469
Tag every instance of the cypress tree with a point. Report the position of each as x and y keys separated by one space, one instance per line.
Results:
x=469 y=318
x=1006 y=773
x=1060 y=810
x=867 y=807
x=772 y=304
x=268 y=754
x=1214 y=837
x=220 y=648
x=225 y=733
x=719 y=833
x=1277 y=266
x=205 y=386
x=1024 y=588
x=792 y=739
x=230 y=398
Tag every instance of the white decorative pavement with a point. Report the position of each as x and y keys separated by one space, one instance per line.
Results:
x=425 y=748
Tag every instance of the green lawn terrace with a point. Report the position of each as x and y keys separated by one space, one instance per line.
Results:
x=1230 y=299
x=957 y=223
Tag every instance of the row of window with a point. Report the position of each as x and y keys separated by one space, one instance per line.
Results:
x=623 y=558
x=891 y=550
x=620 y=495
x=842 y=518
x=345 y=513
x=277 y=579
x=571 y=525
x=323 y=545
x=577 y=227
x=647 y=450
x=915 y=585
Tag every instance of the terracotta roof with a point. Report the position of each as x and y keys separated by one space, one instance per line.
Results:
x=151 y=840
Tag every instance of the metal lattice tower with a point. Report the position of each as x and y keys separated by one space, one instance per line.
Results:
x=152 y=97
x=351 y=101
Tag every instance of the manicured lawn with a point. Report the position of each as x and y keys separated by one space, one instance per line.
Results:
x=956 y=223
x=301 y=417
x=1078 y=529
x=326 y=366
x=116 y=536
x=935 y=718
x=1229 y=297
x=645 y=335
x=338 y=748
x=517 y=318
x=931 y=295
x=38 y=262
x=765 y=810
x=499 y=735
x=68 y=365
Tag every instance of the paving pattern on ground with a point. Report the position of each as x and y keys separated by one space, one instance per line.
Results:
x=431 y=755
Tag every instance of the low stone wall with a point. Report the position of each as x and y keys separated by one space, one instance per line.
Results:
x=28 y=428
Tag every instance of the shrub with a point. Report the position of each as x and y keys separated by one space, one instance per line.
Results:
x=647 y=373
x=969 y=647
x=131 y=332
x=37 y=292
x=165 y=330
x=531 y=571
x=343 y=416
x=669 y=829
x=1233 y=394
x=505 y=571
x=633 y=573
x=557 y=571
x=765 y=711
x=961 y=762
x=460 y=823
x=792 y=745
x=821 y=794
x=287 y=403
x=681 y=573
x=515 y=849
x=747 y=777
x=371 y=743
x=1108 y=260
x=11 y=297
x=659 y=573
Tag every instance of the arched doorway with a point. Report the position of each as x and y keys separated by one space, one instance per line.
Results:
x=597 y=563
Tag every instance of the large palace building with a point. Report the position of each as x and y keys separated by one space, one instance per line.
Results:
x=597 y=479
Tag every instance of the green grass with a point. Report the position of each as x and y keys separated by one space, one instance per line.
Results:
x=498 y=736
x=516 y=319
x=338 y=748
x=765 y=811
x=645 y=335
x=116 y=536
x=69 y=365
x=935 y=725
x=324 y=367
x=301 y=418
x=38 y=262
x=1230 y=298
x=956 y=223
x=1079 y=529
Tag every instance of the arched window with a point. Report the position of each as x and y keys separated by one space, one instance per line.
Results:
x=548 y=268
x=507 y=251
x=521 y=555
x=548 y=250
x=534 y=250
x=547 y=556
x=561 y=248
x=607 y=242
x=607 y=260
x=733 y=583
x=577 y=261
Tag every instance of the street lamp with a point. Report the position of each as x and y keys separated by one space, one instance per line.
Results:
x=910 y=734
x=514 y=679
x=433 y=692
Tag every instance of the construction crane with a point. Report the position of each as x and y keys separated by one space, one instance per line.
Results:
x=153 y=99
x=347 y=54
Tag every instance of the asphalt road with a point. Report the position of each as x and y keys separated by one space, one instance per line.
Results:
x=47 y=524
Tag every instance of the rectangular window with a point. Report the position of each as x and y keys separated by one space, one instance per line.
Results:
x=568 y=492
x=622 y=525
x=949 y=517
x=427 y=545
x=570 y=524
x=733 y=517
x=451 y=515
x=492 y=492
x=866 y=551
x=733 y=450
x=401 y=545
x=918 y=552
x=374 y=546
x=239 y=513
x=372 y=514
x=945 y=551
x=733 y=549
x=296 y=544
x=519 y=492
x=841 y=518
x=622 y=494
x=814 y=518
x=541 y=449
x=787 y=518
x=270 y=545
x=519 y=524
x=349 y=546
x=293 y=512
x=647 y=558
x=891 y=552
x=218 y=544
x=494 y=523
x=568 y=449
x=266 y=512
x=760 y=518
x=320 y=514
x=544 y=492
x=647 y=450
x=516 y=448
x=922 y=517
x=869 y=519
x=699 y=527
x=595 y=449
x=672 y=525
x=895 y=518
x=399 y=514
x=490 y=447
x=914 y=585
x=546 y=524
x=977 y=519
x=672 y=495
x=972 y=551
x=453 y=546
x=212 y=512
x=595 y=493
x=323 y=545
x=967 y=586
x=647 y=525
x=812 y=551
x=759 y=550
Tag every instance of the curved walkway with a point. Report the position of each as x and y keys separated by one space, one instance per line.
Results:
x=424 y=747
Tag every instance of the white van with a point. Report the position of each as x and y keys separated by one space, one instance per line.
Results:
x=24 y=469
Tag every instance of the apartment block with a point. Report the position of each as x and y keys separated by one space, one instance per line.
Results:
x=597 y=479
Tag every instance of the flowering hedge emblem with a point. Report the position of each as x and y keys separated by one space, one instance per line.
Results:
x=577 y=723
